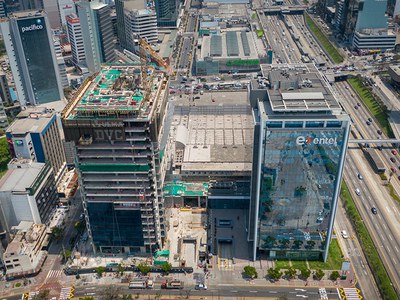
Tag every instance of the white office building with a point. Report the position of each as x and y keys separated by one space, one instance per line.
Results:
x=139 y=22
x=75 y=39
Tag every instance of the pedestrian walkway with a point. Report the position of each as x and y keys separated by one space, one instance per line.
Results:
x=66 y=293
x=53 y=275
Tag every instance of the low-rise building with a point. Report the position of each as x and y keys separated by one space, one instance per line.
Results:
x=227 y=51
x=27 y=193
x=24 y=255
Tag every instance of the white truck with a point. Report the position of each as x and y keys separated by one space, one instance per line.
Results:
x=140 y=284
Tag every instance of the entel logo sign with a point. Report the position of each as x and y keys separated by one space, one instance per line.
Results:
x=33 y=27
x=302 y=140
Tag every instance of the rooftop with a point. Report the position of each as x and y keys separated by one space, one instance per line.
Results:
x=297 y=88
x=27 y=14
x=116 y=90
x=134 y=5
x=216 y=134
x=229 y=45
x=32 y=119
x=26 y=237
x=21 y=174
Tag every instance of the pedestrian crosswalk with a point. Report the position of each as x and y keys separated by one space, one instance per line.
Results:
x=53 y=275
x=66 y=293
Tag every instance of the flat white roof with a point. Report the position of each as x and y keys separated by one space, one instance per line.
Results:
x=303 y=96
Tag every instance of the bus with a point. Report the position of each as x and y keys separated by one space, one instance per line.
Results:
x=374 y=160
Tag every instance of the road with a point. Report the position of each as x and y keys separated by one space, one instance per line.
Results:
x=352 y=250
x=227 y=291
x=385 y=226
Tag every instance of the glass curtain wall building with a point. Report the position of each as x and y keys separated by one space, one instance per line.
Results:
x=30 y=48
x=167 y=12
x=299 y=151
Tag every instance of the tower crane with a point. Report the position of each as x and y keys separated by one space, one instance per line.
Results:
x=144 y=50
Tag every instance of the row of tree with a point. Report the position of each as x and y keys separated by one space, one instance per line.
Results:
x=276 y=274
x=143 y=268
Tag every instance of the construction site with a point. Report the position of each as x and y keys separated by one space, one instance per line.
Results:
x=116 y=122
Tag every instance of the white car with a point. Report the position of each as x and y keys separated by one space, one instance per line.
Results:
x=344 y=234
x=358 y=192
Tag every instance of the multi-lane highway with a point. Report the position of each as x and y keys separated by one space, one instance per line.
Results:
x=384 y=227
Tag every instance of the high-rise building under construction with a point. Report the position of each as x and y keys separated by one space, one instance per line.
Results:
x=116 y=121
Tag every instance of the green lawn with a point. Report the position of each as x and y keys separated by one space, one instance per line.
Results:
x=4 y=156
x=372 y=105
x=334 y=261
x=324 y=41
x=378 y=269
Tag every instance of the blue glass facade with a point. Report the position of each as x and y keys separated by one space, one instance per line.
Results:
x=39 y=60
x=300 y=167
x=115 y=226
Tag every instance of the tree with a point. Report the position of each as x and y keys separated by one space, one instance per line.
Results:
x=127 y=297
x=284 y=243
x=120 y=269
x=166 y=268
x=305 y=272
x=110 y=293
x=100 y=270
x=250 y=271
x=334 y=275
x=290 y=273
x=43 y=295
x=310 y=244
x=274 y=274
x=57 y=233
x=66 y=254
x=319 y=274
x=297 y=244
x=143 y=268
x=86 y=298
x=80 y=226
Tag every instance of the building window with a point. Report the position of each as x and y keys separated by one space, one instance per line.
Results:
x=314 y=124
x=334 y=124
x=274 y=124
x=293 y=124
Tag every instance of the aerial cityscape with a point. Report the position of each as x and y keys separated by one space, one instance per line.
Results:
x=199 y=149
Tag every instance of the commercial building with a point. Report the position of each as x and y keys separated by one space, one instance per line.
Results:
x=119 y=9
x=3 y=118
x=227 y=51
x=167 y=12
x=116 y=125
x=370 y=39
x=371 y=31
x=300 y=142
x=3 y=9
x=394 y=73
x=140 y=21
x=76 y=39
x=53 y=12
x=62 y=68
x=29 y=44
x=30 y=4
x=66 y=8
x=35 y=135
x=5 y=90
x=27 y=193
x=25 y=255
x=97 y=32
x=210 y=151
